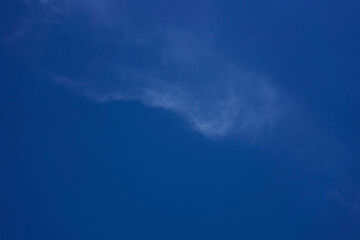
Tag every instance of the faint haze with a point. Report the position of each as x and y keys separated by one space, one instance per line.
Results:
x=170 y=58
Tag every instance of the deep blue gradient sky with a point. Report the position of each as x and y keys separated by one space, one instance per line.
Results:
x=179 y=119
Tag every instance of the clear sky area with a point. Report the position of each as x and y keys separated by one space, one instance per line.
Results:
x=180 y=120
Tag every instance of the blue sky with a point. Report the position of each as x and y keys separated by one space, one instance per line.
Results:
x=179 y=119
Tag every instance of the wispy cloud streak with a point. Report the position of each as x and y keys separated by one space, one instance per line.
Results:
x=220 y=103
x=184 y=74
